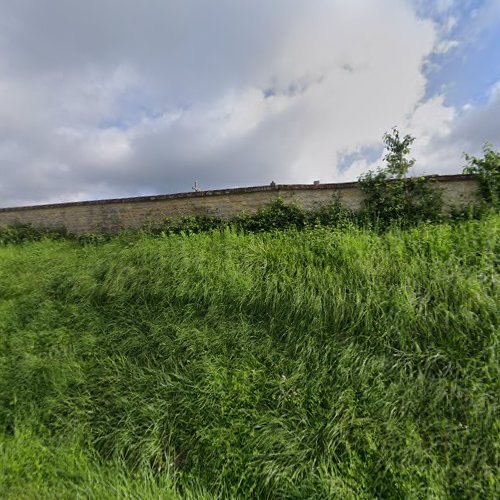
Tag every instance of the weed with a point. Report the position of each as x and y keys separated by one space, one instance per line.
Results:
x=316 y=362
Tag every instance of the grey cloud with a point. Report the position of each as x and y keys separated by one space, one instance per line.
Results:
x=121 y=97
x=479 y=126
x=188 y=49
x=444 y=134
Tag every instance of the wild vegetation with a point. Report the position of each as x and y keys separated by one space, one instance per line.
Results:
x=293 y=364
x=488 y=171
x=336 y=358
x=392 y=196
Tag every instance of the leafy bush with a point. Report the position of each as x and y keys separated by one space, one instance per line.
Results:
x=488 y=171
x=277 y=215
x=18 y=233
x=333 y=214
x=390 y=196
x=189 y=225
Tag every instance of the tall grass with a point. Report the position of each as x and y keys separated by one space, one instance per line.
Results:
x=311 y=364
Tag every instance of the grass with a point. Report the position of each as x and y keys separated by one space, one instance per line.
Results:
x=313 y=364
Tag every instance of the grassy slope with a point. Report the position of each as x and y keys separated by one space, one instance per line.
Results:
x=309 y=364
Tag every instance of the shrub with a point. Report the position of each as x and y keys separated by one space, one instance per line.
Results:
x=332 y=215
x=18 y=233
x=488 y=171
x=390 y=196
x=277 y=215
x=190 y=225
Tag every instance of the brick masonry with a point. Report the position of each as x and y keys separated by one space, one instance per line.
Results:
x=112 y=215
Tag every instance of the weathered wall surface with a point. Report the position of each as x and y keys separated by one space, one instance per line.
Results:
x=113 y=215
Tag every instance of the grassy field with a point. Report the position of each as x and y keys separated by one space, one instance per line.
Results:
x=316 y=364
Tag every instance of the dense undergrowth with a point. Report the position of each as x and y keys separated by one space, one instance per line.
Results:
x=318 y=363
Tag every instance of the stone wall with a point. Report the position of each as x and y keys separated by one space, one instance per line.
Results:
x=113 y=215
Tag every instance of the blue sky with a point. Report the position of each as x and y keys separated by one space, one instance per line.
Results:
x=109 y=98
x=466 y=73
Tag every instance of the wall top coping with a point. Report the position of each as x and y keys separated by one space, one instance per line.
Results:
x=221 y=192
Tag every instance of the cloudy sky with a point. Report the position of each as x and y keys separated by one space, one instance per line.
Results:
x=110 y=98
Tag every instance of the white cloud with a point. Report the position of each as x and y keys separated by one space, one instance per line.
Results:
x=110 y=98
x=443 y=133
x=449 y=24
x=445 y=5
x=445 y=46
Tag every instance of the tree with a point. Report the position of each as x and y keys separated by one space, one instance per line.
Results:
x=398 y=164
x=391 y=196
x=488 y=171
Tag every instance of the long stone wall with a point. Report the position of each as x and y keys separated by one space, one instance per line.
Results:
x=112 y=215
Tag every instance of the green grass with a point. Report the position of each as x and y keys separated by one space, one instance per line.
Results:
x=316 y=364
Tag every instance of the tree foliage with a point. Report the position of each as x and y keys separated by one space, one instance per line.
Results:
x=390 y=196
x=488 y=171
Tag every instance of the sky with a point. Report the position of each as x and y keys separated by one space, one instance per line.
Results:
x=114 y=98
